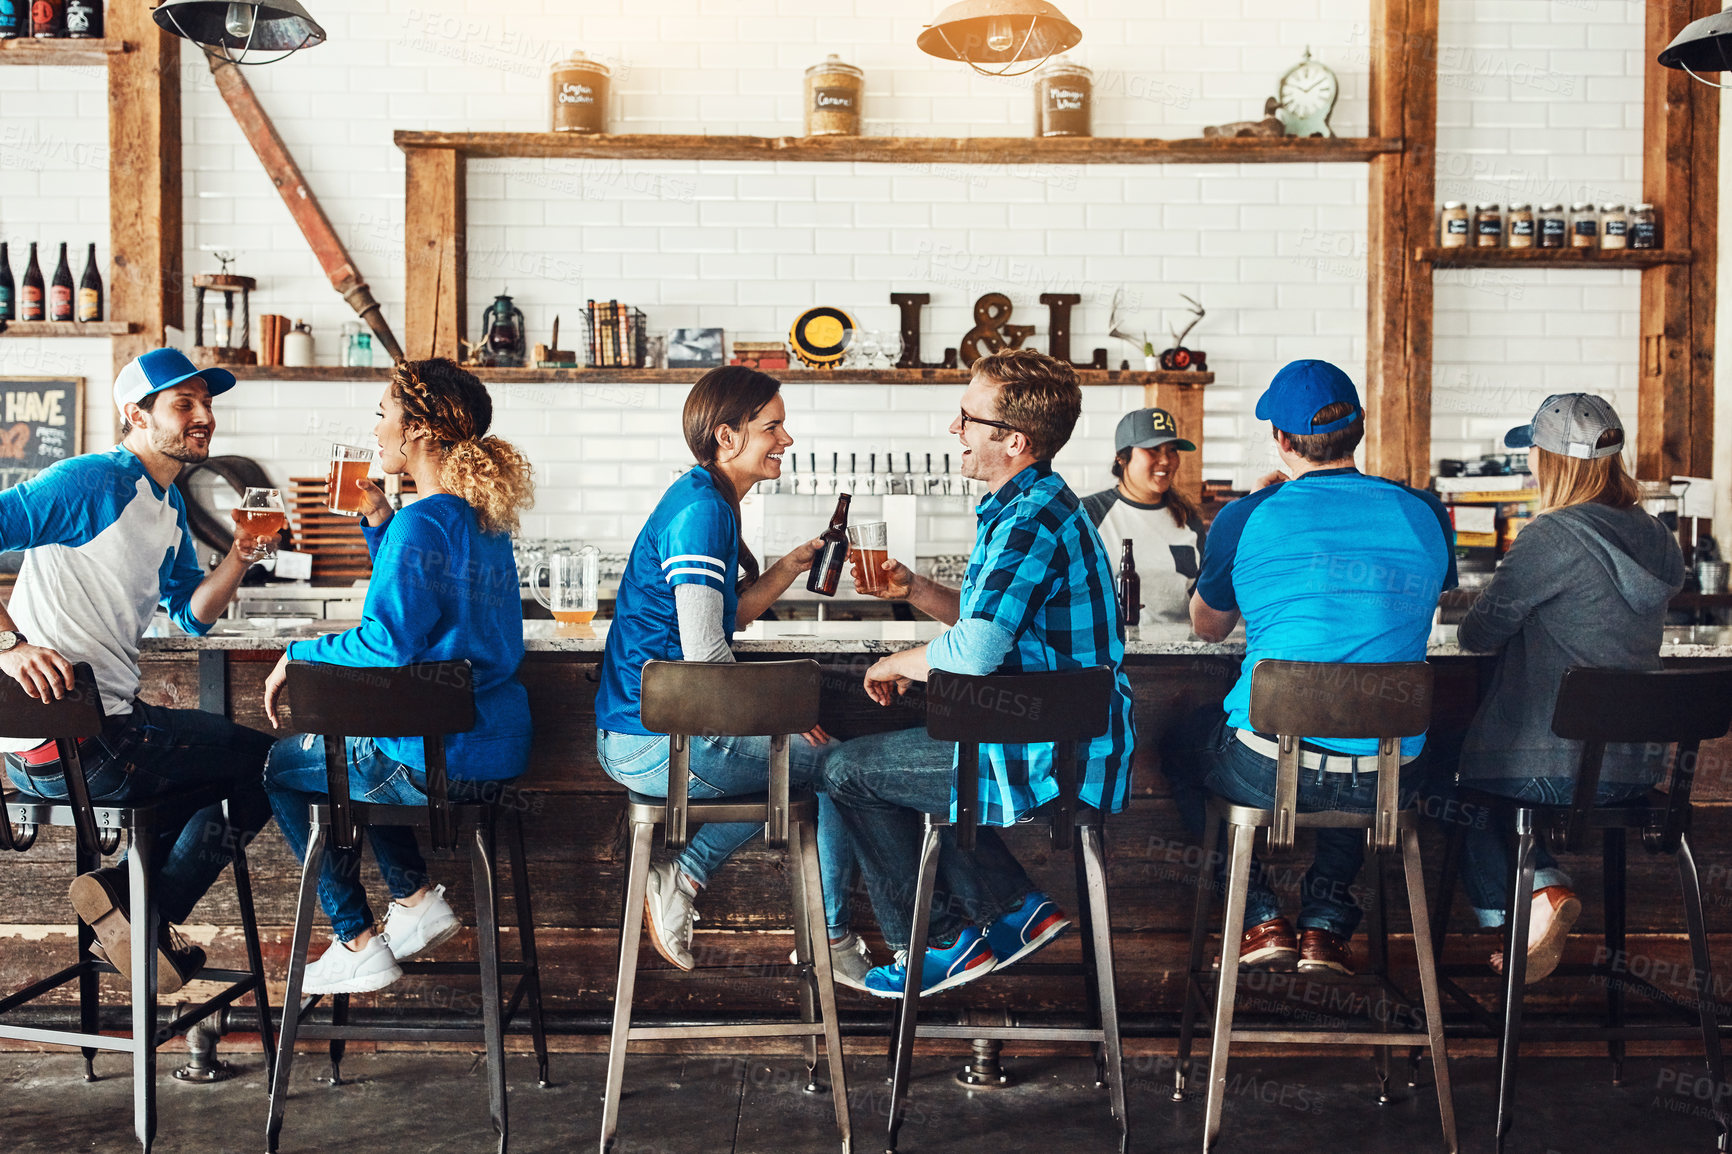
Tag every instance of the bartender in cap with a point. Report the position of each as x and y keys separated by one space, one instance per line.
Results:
x=1147 y=508
x=105 y=542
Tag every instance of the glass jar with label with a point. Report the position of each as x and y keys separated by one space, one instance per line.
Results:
x=1487 y=226
x=1554 y=226
x=1584 y=226
x=1644 y=227
x=833 y=98
x=1614 y=226
x=578 y=89
x=1453 y=231
x=1521 y=226
x=1063 y=99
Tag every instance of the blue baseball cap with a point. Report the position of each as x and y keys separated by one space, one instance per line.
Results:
x=1302 y=390
x=161 y=369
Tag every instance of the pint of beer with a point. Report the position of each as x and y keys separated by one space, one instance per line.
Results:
x=261 y=513
x=349 y=466
x=868 y=549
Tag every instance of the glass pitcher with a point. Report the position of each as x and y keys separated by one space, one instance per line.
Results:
x=572 y=581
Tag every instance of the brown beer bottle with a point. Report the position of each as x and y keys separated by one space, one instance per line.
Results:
x=826 y=571
x=33 y=302
x=60 y=302
x=1130 y=588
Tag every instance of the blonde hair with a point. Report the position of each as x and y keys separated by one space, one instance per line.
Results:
x=487 y=472
x=1566 y=481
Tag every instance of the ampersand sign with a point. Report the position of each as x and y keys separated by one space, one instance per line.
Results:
x=990 y=314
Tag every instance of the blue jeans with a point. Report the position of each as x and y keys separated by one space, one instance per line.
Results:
x=295 y=780
x=882 y=786
x=730 y=765
x=1202 y=755
x=153 y=752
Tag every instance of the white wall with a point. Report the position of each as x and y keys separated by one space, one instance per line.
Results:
x=1538 y=100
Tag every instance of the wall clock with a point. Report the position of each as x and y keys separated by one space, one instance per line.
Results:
x=1307 y=96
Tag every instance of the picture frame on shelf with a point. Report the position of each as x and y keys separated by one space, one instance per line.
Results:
x=695 y=349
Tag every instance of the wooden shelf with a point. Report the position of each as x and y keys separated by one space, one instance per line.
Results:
x=67 y=328
x=28 y=51
x=687 y=376
x=907 y=149
x=1550 y=257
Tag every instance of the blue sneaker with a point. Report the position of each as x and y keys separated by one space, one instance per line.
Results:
x=1021 y=932
x=969 y=958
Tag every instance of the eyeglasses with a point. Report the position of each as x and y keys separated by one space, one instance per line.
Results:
x=983 y=421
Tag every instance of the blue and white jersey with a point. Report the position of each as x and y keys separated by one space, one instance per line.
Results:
x=692 y=538
x=103 y=545
x=1331 y=566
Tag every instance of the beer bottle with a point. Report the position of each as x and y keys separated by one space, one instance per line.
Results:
x=48 y=19
x=826 y=571
x=60 y=291
x=31 y=305
x=8 y=290
x=12 y=19
x=90 y=289
x=84 y=19
x=1130 y=588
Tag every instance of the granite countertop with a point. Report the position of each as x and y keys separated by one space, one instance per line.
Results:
x=847 y=637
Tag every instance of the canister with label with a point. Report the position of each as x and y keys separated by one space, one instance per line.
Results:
x=833 y=91
x=579 y=95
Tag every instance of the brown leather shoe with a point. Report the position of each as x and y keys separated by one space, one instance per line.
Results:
x=1322 y=950
x=1270 y=945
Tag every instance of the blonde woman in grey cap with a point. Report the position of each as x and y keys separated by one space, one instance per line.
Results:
x=1586 y=583
x=1147 y=508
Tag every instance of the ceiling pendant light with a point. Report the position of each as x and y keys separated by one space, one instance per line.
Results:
x=233 y=29
x=995 y=36
x=1704 y=45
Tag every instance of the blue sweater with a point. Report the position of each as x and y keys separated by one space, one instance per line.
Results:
x=443 y=590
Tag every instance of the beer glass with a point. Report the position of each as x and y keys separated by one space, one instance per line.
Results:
x=349 y=466
x=262 y=514
x=572 y=580
x=868 y=549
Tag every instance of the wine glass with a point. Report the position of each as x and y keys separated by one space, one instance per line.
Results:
x=867 y=342
x=891 y=347
x=262 y=514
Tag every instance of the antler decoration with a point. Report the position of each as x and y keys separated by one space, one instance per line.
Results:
x=1179 y=338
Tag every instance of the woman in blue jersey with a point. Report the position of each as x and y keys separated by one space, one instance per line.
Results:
x=444 y=588
x=682 y=596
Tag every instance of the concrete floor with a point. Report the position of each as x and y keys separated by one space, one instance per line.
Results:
x=437 y=1102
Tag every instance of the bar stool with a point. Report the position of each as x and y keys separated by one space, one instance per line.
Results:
x=1599 y=707
x=429 y=701
x=68 y=722
x=1293 y=700
x=749 y=699
x=1052 y=708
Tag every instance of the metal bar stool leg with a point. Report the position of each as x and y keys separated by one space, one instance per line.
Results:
x=1423 y=949
x=806 y=862
x=1377 y=942
x=805 y=951
x=140 y=847
x=630 y=929
x=1707 y=1004
x=1089 y=852
x=292 y=993
x=338 y=1046
x=1239 y=842
x=526 y=944
x=255 y=955
x=1515 y=968
x=89 y=981
x=1193 y=1001
x=1091 y=991
x=909 y=1015
x=487 y=945
x=1613 y=877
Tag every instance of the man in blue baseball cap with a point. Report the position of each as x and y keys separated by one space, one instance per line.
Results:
x=1324 y=564
x=105 y=542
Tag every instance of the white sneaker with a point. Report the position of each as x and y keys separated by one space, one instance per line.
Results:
x=414 y=931
x=667 y=907
x=346 y=971
x=849 y=961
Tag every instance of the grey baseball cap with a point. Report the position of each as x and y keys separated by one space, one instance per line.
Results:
x=1570 y=425
x=1146 y=428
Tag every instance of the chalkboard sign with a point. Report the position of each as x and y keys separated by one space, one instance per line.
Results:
x=41 y=422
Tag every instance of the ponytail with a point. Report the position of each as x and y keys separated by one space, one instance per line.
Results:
x=493 y=477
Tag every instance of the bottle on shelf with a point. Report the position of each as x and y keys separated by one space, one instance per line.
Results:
x=8 y=290
x=48 y=19
x=32 y=302
x=826 y=571
x=90 y=290
x=60 y=290
x=14 y=19
x=84 y=19
x=1130 y=587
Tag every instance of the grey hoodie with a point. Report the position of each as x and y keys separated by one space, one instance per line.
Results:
x=1586 y=585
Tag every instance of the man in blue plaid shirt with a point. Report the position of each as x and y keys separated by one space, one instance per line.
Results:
x=1038 y=596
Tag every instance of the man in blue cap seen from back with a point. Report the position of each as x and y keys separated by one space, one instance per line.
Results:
x=105 y=542
x=1323 y=564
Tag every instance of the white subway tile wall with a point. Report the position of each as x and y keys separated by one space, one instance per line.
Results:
x=1538 y=100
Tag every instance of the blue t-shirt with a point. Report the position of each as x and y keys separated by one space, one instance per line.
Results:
x=691 y=538
x=442 y=590
x=1331 y=566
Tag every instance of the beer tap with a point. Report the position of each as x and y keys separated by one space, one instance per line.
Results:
x=853 y=473
x=793 y=475
x=947 y=474
x=872 y=474
x=834 y=478
x=908 y=473
x=812 y=471
x=928 y=481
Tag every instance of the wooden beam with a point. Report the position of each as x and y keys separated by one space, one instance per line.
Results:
x=437 y=266
x=144 y=197
x=1399 y=290
x=1680 y=176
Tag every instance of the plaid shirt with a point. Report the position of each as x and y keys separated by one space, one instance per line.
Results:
x=1040 y=573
